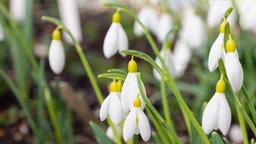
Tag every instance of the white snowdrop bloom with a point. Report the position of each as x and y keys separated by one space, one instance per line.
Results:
x=236 y=134
x=217 y=114
x=110 y=132
x=112 y=105
x=136 y=122
x=56 y=53
x=69 y=14
x=247 y=11
x=130 y=88
x=216 y=10
x=1 y=32
x=167 y=56
x=164 y=25
x=148 y=17
x=181 y=57
x=193 y=29
x=18 y=10
x=116 y=38
x=178 y=5
x=233 y=67
x=217 y=51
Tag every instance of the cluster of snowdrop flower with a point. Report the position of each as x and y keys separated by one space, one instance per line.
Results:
x=217 y=114
x=161 y=24
x=125 y=102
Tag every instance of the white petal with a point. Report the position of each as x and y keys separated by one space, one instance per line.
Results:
x=56 y=56
x=69 y=14
x=104 y=108
x=144 y=126
x=234 y=71
x=110 y=46
x=215 y=53
x=224 y=115
x=124 y=93
x=129 y=125
x=122 y=39
x=210 y=114
x=115 y=108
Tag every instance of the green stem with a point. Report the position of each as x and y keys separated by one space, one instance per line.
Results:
x=165 y=105
x=250 y=104
x=52 y=113
x=242 y=124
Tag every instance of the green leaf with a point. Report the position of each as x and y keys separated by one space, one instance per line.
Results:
x=119 y=71
x=112 y=76
x=226 y=141
x=100 y=134
x=216 y=139
x=156 y=138
x=227 y=12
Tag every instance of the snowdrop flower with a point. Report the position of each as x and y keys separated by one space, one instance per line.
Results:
x=164 y=25
x=69 y=14
x=193 y=29
x=216 y=10
x=247 y=11
x=148 y=17
x=233 y=66
x=136 y=122
x=130 y=88
x=18 y=10
x=167 y=56
x=217 y=114
x=181 y=57
x=217 y=51
x=56 y=53
x=110 y=132
x=236 y=134
x=1 y=32
x=116 y=38
x=112 y=105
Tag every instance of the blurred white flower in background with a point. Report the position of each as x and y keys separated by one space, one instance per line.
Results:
x=163 y=26
x=167 y=56
x=18 y=10
x=148 y=17
x=181 y=57
x=69 y=15
x=247 y=12
x=216 y=10
x=193 y=31
x=110 y=132
x=236 y=134
x=1 y=32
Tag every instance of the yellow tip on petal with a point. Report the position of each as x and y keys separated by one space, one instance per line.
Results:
x=220 y=87
x=231 y=45
x=132 y=66
x=137 y=102
x=116 y=17
x=113 y=87
x=56 y=34
x=222 y=27
x=119 y=85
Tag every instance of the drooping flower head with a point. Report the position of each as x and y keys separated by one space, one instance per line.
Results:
x=136 y=122
x=112 y=105
x=217 y=51
x=130 y=87
x=217 y=114
x=233 y=66
x=116 y=38
x=56 y=53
